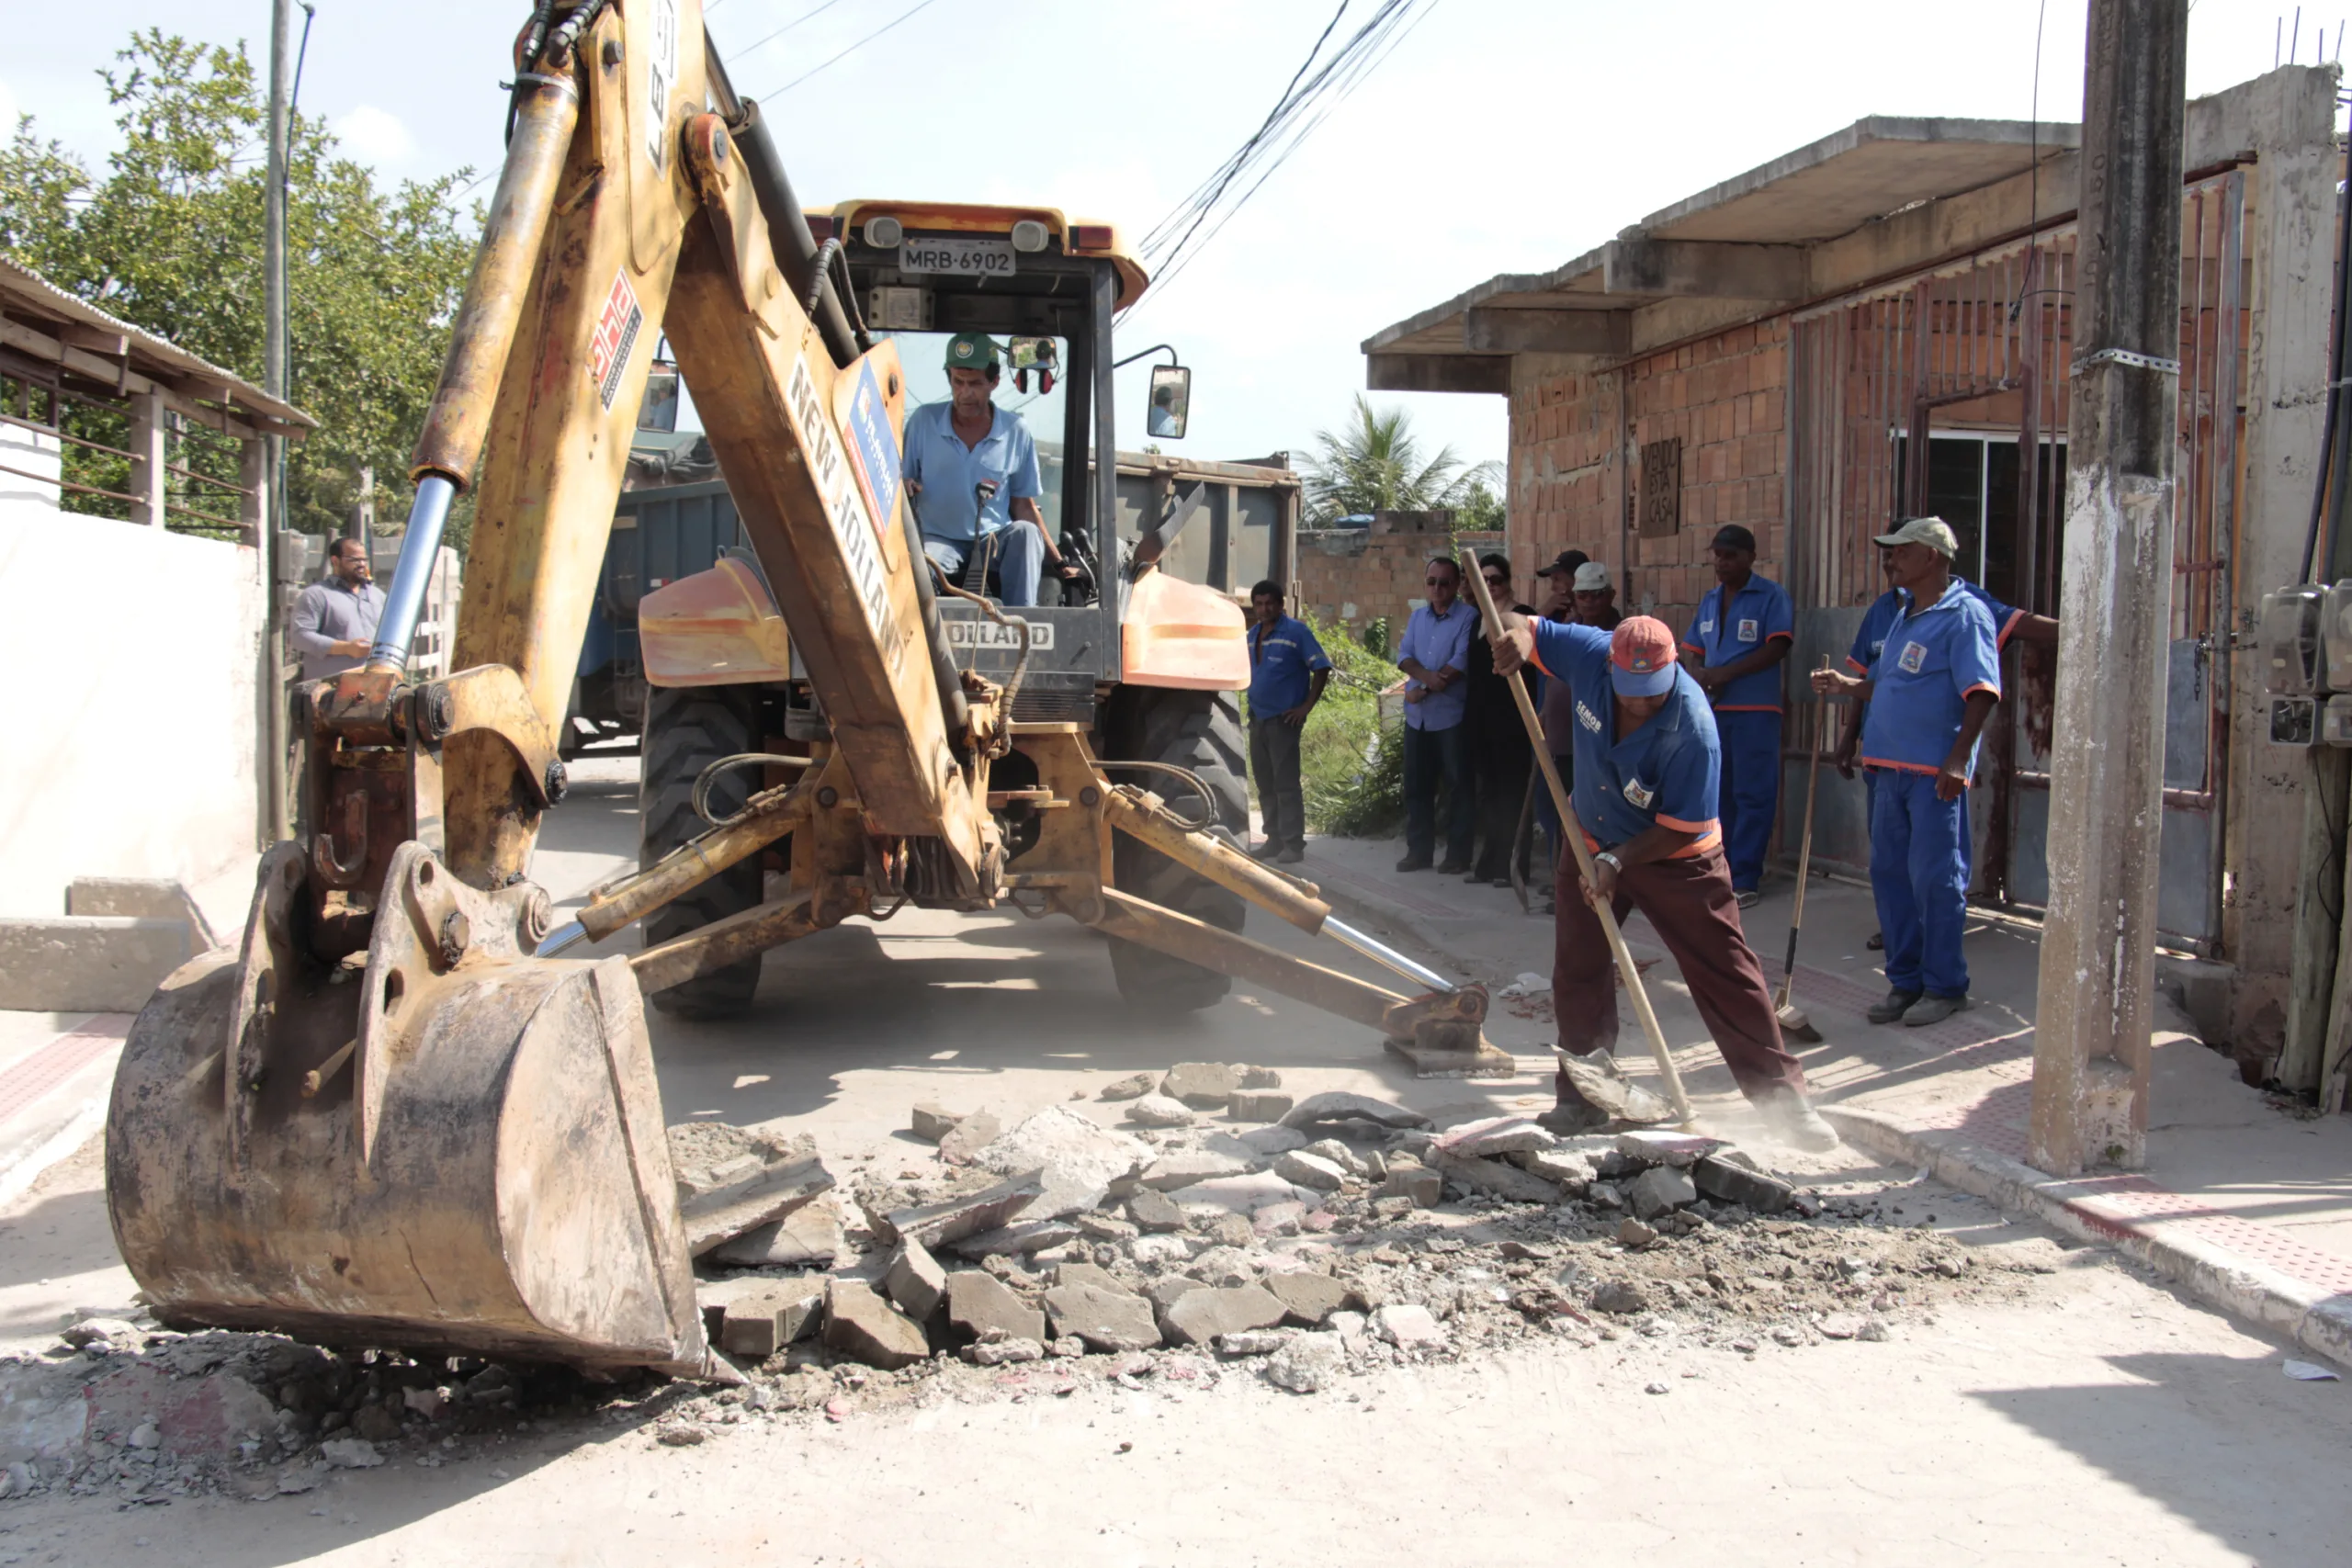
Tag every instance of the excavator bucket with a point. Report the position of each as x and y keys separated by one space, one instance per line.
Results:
x=453 y=1147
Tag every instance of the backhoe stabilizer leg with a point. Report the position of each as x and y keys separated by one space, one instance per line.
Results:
x=1439 y=1032
x=1133 y=812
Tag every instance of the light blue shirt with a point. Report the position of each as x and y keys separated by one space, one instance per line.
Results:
x=1439 y=643
x=950 y=471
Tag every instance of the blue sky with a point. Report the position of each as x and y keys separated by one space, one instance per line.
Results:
x=1501 y=135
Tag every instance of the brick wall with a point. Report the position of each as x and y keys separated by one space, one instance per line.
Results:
x=1725 y=397
x=1355 y=576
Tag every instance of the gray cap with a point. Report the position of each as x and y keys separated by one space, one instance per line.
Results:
x=1591 y=578
x=1933 y=531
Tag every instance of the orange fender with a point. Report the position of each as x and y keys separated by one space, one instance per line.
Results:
x=718 y=627
x=1180 y=634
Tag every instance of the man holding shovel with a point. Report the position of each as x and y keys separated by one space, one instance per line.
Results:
x=1647 y=772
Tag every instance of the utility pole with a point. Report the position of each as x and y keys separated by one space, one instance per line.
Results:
x=2091 y=1054
x=273 y=381
x=363 y=510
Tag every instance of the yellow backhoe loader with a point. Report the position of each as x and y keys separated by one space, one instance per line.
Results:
x=393 y=1116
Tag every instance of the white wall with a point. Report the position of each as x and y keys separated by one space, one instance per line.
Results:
x=130 y=657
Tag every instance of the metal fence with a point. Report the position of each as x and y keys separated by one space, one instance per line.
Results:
x=131 y=457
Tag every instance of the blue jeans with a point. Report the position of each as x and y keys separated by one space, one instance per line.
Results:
x=1749 y=790
x=1919 y=874
x=1432 y=755
x=1019 y=559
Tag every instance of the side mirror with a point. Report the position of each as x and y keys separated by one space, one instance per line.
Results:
x=660 y=409
x=1171 y=402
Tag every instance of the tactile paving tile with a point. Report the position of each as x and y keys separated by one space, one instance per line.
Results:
x=2134 y=1198
x=52 y=1063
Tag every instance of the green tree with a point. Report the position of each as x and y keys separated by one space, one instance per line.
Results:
x=168 y=237
x=1374 y=464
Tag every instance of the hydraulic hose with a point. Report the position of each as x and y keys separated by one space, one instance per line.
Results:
x=953 y=706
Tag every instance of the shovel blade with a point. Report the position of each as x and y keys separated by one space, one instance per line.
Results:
x=514 y=1199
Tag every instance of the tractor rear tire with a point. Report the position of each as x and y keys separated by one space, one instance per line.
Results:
x=1200 y=732
x=686 y=729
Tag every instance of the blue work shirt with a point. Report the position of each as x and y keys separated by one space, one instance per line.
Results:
x=1282 y=657
x=1872 y=634
x=1664 y=774
x=1932 y=662
x=1439 y=643
x=1725 y=634
x=950 y=471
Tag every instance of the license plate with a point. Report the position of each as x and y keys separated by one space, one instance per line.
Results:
x=961 y=258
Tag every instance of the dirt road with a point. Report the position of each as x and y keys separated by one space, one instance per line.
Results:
x=2059 y=1408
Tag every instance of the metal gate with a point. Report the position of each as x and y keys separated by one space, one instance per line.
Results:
x=1946 y=392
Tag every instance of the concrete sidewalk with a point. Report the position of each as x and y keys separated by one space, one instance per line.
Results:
x=2243 y=1202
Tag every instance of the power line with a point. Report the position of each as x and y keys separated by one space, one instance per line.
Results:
x=920 y=5
x=787 y=27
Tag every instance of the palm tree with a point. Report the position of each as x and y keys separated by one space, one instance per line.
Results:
x=1374 y=465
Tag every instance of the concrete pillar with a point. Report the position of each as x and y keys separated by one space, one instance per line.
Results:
x=2090 y=1066
x=2274 y=794
x=149 y=457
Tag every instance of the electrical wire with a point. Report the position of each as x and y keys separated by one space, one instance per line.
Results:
x=787 y=27
x=844 y=54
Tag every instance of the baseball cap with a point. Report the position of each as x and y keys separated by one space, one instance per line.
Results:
x=971 y=351
x=1565 y=561
x=1641 y=658
x=1732 y=536
x=1591 y=578
x=1933 y=531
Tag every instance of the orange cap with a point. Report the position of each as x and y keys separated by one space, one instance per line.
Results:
x=1641 y=656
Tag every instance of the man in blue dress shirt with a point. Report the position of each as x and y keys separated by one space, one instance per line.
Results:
x=1745 y=627
x=952 y=449
x=1288 y=671
x=1435 y=658
x=1936 y=677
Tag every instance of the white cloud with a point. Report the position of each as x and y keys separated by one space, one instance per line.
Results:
x=376 y=135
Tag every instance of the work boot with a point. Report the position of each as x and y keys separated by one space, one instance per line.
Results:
x=1896 y=1005
x=1272 y=849
x=1747 y=898
x=1932 y=1009
x=1291 y=854
x=1454 y=868
x=1794 y=1122
x=1413 y=863
x=1574 y=1113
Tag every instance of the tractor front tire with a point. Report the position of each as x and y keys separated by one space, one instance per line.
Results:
x=1200 y=732
x=686 y=729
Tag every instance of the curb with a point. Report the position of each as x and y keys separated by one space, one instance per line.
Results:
x=2314 y=1318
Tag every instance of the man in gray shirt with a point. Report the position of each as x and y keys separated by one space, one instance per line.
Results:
x=334 y=619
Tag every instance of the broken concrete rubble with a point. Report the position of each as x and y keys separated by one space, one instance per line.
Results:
x=1309 y=1298
x=1493 y=1137
x=1651 y=1145
x=979 y=1305
x=1200 y=1317
x=1500 y=1178
x=1158 y=1111
x=1659 y=1190
x=1185 y=1167
x=915 y=1280
x=1155 y=1211
x=1258 y=1105
x=964 y=1141
x=931 y=1121
x=807 y=1237
x=1729 y=1183
x=953 y=1219
x=1133 y=1087
x=861 y=1324
x=1076 y=1155
x=756 y=1316
x=1304 y=1169
x=1268 y=1141
x=1105 y=1319
x=1308 y=1363
x=1339 y=1106
x=1204 y=1086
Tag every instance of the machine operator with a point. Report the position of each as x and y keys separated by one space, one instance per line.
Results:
x=956 y=448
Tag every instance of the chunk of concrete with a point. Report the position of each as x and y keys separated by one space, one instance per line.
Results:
x=1425 y=1187
x=1304 y=1169
x=1308 y=1363
x=862 y=1325
x=1660 y=1190
x=1258 y=1078
x=761 y=1317
x=1106 y=1320
x=1258 y=1105
x=1200 y=1317
x=1653 y=1145
x=1080 y=1159
x=1242 y=1194
x=1493 y=1137
x=1406 y=1326
x=143 y=899
x=1204 y=1086
x=1339 y=1154
x=1184 y=1168
x=961 y=1144
x=1726 y=1182
x=931 y=1121
x=1498 y=1179
x=1621 y=1297
x=1341 y=1106
x=1133 y=1087
x=759 y=1197
x=1003 y=1352
x=1158 y=1111
x=1016 y=1240
x=1309 y=1298
x=87 y=963
x=915 y=1280
x=1571 y=1173
x=1268 y=1141
x=1155 y=1211
x=807 y=1237
x=1089 y=1274
x=980 y=1304
x=953 y=1219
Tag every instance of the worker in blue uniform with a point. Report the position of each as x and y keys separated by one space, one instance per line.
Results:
x=2007 y=623
x=1745 y=627
x=1935 y=679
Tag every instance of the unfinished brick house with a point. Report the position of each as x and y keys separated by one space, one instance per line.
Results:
x=1876 y=325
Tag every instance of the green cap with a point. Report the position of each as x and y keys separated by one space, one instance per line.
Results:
x=971 y=351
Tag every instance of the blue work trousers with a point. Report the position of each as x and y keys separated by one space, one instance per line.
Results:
x=1749 y=790
x=1920 y=873
x=1431 y=757
x=1019 y=558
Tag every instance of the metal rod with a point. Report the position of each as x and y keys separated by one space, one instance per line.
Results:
x=1381 y=953
x=420 y=548
x=571 y=933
